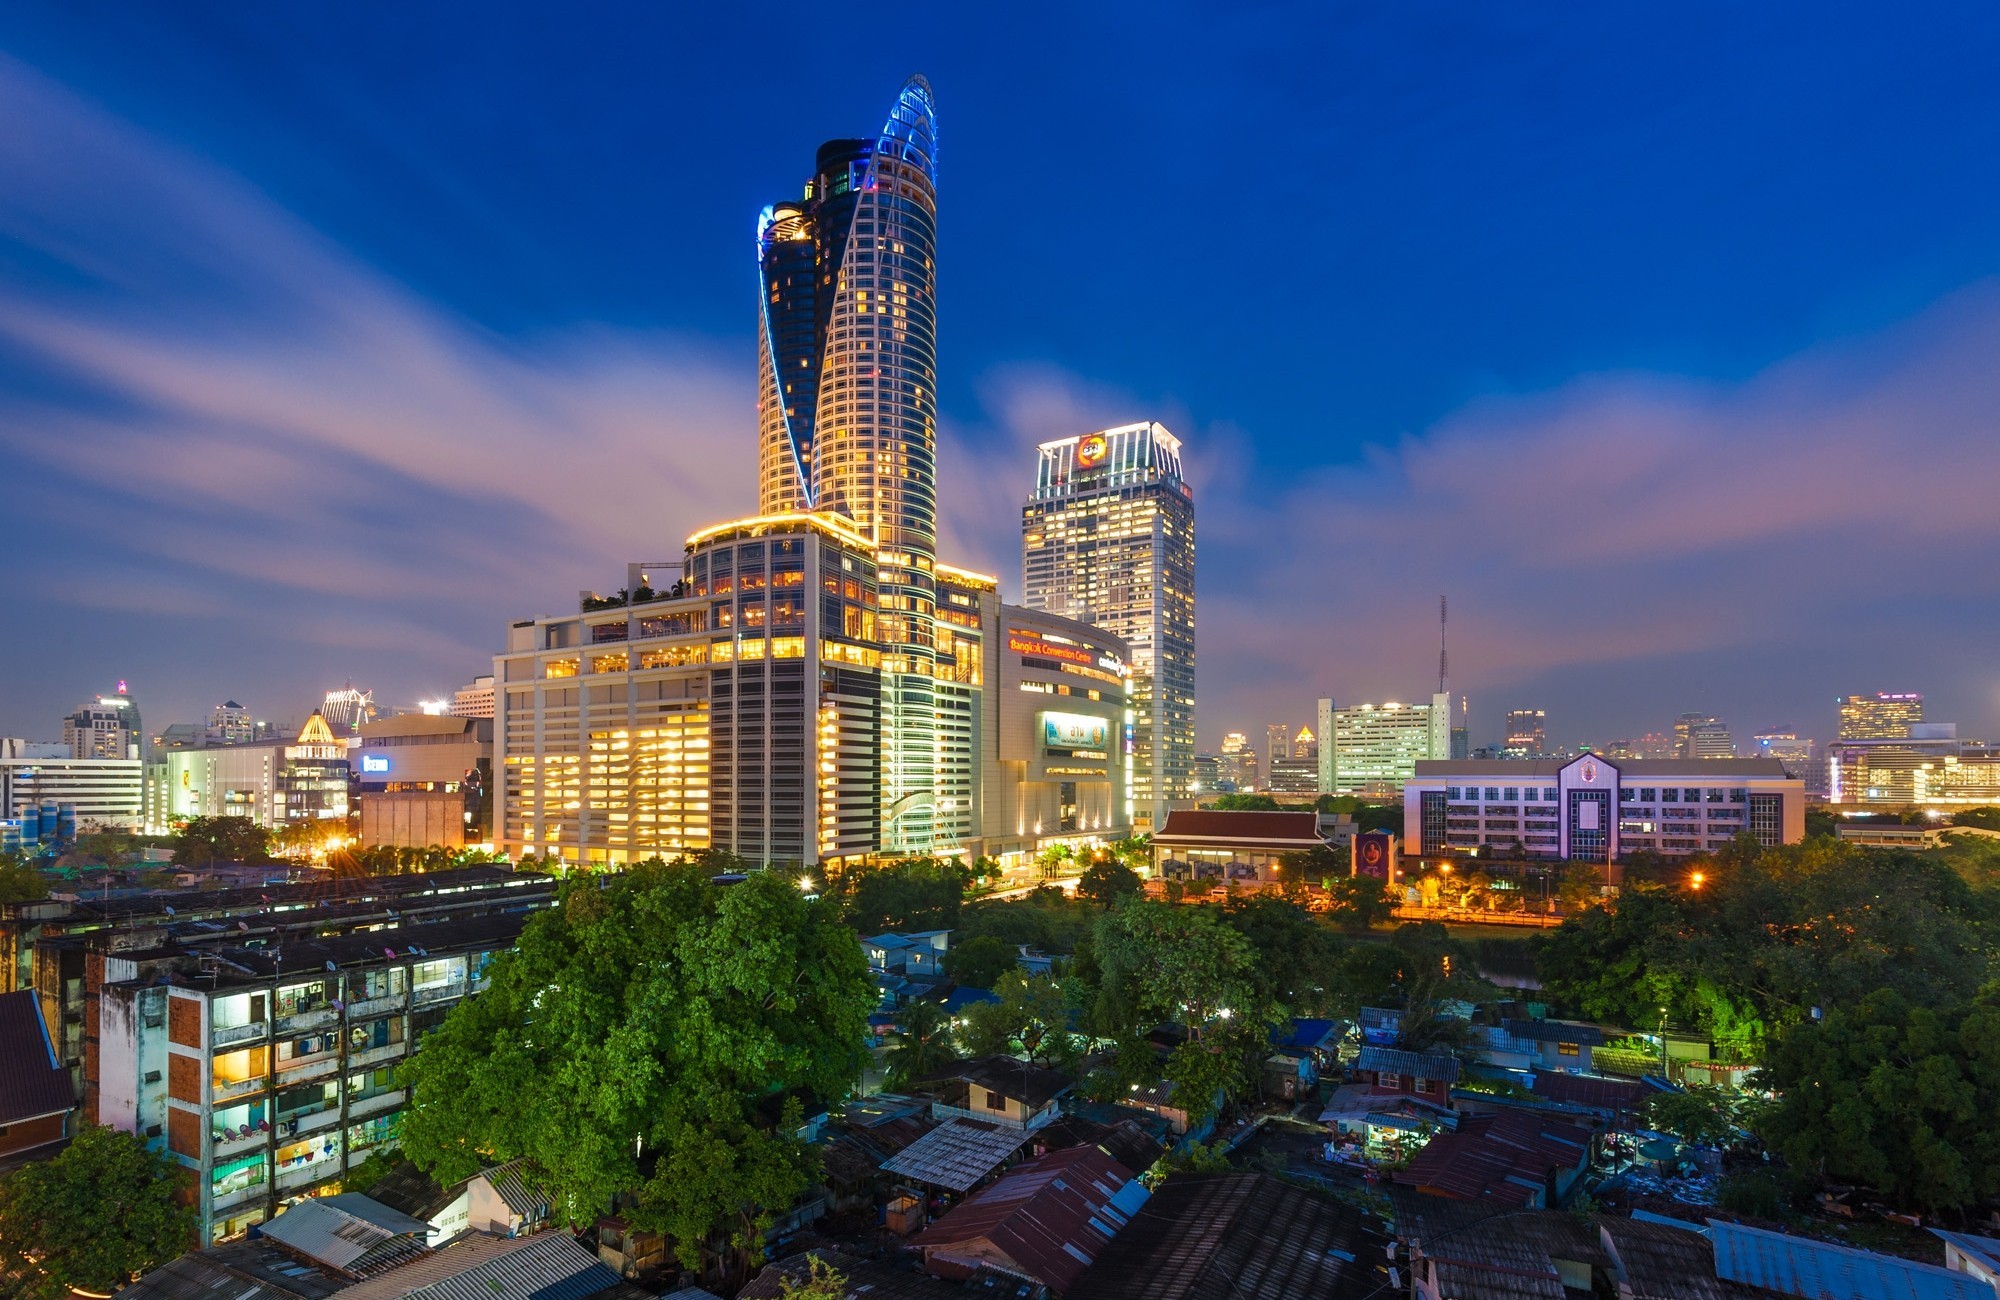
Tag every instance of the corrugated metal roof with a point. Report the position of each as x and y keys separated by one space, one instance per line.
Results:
x=546 y=1266
x=32 y=1083
x=510 y=1183
x=1821 y=1270
x=956 y=1154
x=239 y=1270
x=1050 y=1216
x=1394 y=1060
x=349 y=1232
x=1984 y=1249
x=1555 y=1031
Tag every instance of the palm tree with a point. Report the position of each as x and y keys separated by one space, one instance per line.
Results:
x=922 y=1047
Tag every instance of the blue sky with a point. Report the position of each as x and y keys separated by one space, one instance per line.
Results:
x=333 y=338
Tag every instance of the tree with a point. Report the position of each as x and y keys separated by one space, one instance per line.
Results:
x=20 y=882
x=1892 y=1095
x=1361 y=902
x=1292 y=952
x=822 y=1281
x=923 y=1043
x=1031 y=1019
x=1053 y=858
x=203 y=841
x=1104 y=883
x=1134 y=851
x=980 y=961
x=1701 y=1116
x=915 y=894
x=106 y=848
x=1172 y=962
x=1245 y=803
x=1582 y=885
x=101 y=1212
x=642 y=1040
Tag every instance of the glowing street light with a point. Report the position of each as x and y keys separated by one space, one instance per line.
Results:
x=1696 y=880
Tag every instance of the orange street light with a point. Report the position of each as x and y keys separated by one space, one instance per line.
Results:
x=1695 y=881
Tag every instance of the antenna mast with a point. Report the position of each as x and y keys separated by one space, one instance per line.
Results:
x=1444 y=663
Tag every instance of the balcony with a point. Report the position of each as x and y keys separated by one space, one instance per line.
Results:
x=231 y=1035
x=304 y=1175
x=376 y=1006
x=317 y=1067
x=436 y=993
x=220 y=1201
x=300 y=1123
x=229 y=1091
x=304 y=1022
x=231 y=1146
x=1041 y=1117
x=376 y=1105
x=374 y=1055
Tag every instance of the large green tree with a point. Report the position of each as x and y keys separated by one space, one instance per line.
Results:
x=923 y=1043
x=102 y=1211
x=1104 y=883
x=639 y=1041
x=203 y=841
x=19 y=881
x=915 y=894
x=1173 y=962
x=981 y=960
x=1031 y=1019
x=1892 y=1095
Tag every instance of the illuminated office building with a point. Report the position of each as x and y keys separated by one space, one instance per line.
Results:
x=107 y=727
x=1107 y=538
x=274 y=782
x=1884 y=715
x=1372 y=749
x=1527 y=734
x=847 y=408
x=1697 y=735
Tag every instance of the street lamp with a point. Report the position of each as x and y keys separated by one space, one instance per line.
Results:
x=1695 y=881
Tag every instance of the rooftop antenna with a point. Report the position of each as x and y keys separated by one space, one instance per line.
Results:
x=1444 y=662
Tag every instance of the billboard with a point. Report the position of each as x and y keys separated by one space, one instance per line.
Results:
x=1074 y=731
x=1028 y=643
x=1375 y=855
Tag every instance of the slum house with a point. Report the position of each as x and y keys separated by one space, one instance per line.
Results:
x=1046 y=1220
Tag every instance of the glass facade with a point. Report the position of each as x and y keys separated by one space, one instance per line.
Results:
x=848 y=407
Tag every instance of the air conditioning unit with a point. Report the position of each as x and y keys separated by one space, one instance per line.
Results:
x=152 y=1076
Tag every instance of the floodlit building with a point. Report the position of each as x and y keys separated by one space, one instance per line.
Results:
x=1598 y=809
x=347 y=708
x=107 y=727
x=473 y=700
x=97 y=793
x=1696 y=735
x=274 y=783
x=1237 y=764
x=1885 y=770
x=1372 y=749
x=1107 y=538
x=1883 y=715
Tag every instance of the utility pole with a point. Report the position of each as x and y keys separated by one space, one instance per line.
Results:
x=1444 y=663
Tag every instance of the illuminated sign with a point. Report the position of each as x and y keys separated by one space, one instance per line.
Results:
x=1091 y=449
x=1074 y=731
x=374 y=763
x=1027 y=643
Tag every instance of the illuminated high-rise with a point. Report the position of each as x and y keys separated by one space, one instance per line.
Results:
x=1107 y=538
x=1882 y=715
x=847 y=408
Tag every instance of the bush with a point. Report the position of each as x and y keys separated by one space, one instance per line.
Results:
x=1756 y=1193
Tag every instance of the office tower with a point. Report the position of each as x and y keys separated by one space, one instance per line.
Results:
x=473 y=700
x=1697 y=735
x=1107 y=538
x=1372 y=749
x=1789 y=748
x=1277 y=743
x=107 y=727
x=1527 y=734
x=847 y=405
x=1881 y=716
x=1305 y=745
x=1238 y=762
x=1298 y=773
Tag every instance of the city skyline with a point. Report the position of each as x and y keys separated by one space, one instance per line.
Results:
x=318 y=390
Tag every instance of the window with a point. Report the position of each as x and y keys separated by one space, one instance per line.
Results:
x=994 y=1101
x=1566 y=1049
x=1492 y=794
x=1420 y=1084
x=1387 y=1080
x=1512 y=794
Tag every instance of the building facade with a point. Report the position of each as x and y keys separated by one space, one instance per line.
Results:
x=95 y=793
x=1598 y=809
x=1697 y=735
x=1527 y=734
x=107 y=727
x=1912 y=768
x=425 y=780
x=275 y=783
x=1882 y=715
x=1372 y=749
x=1107 y=538
x=847 y=411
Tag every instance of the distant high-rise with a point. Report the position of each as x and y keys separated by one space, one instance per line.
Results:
x=1372 y=749
x=1107 y=538
x=1793 y=750
x=1881 y=716
x=1277 y=743
x=1697 y=735
x=347 y=708
x=1527 y=734
x=847 y=410
x=107 y=727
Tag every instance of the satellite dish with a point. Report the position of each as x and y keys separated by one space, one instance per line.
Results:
x=331 y=966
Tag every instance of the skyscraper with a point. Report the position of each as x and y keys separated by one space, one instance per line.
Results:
x=107 y=727
x=1527 y=734
x=1107 y=538
x=1697 y=735
x=1372 y=749
x=1277 y=743
x=847 y=406
x=1883 y=715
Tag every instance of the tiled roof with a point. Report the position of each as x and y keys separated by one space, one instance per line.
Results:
x=957 y=1154
x=1050 y=1217
x=1556 y=1031
x=1240 y=1236
x=1286 y=829
x=1394 y=1060
x=32 y=1083
x=1821 y=1270
x=1662 y=1262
